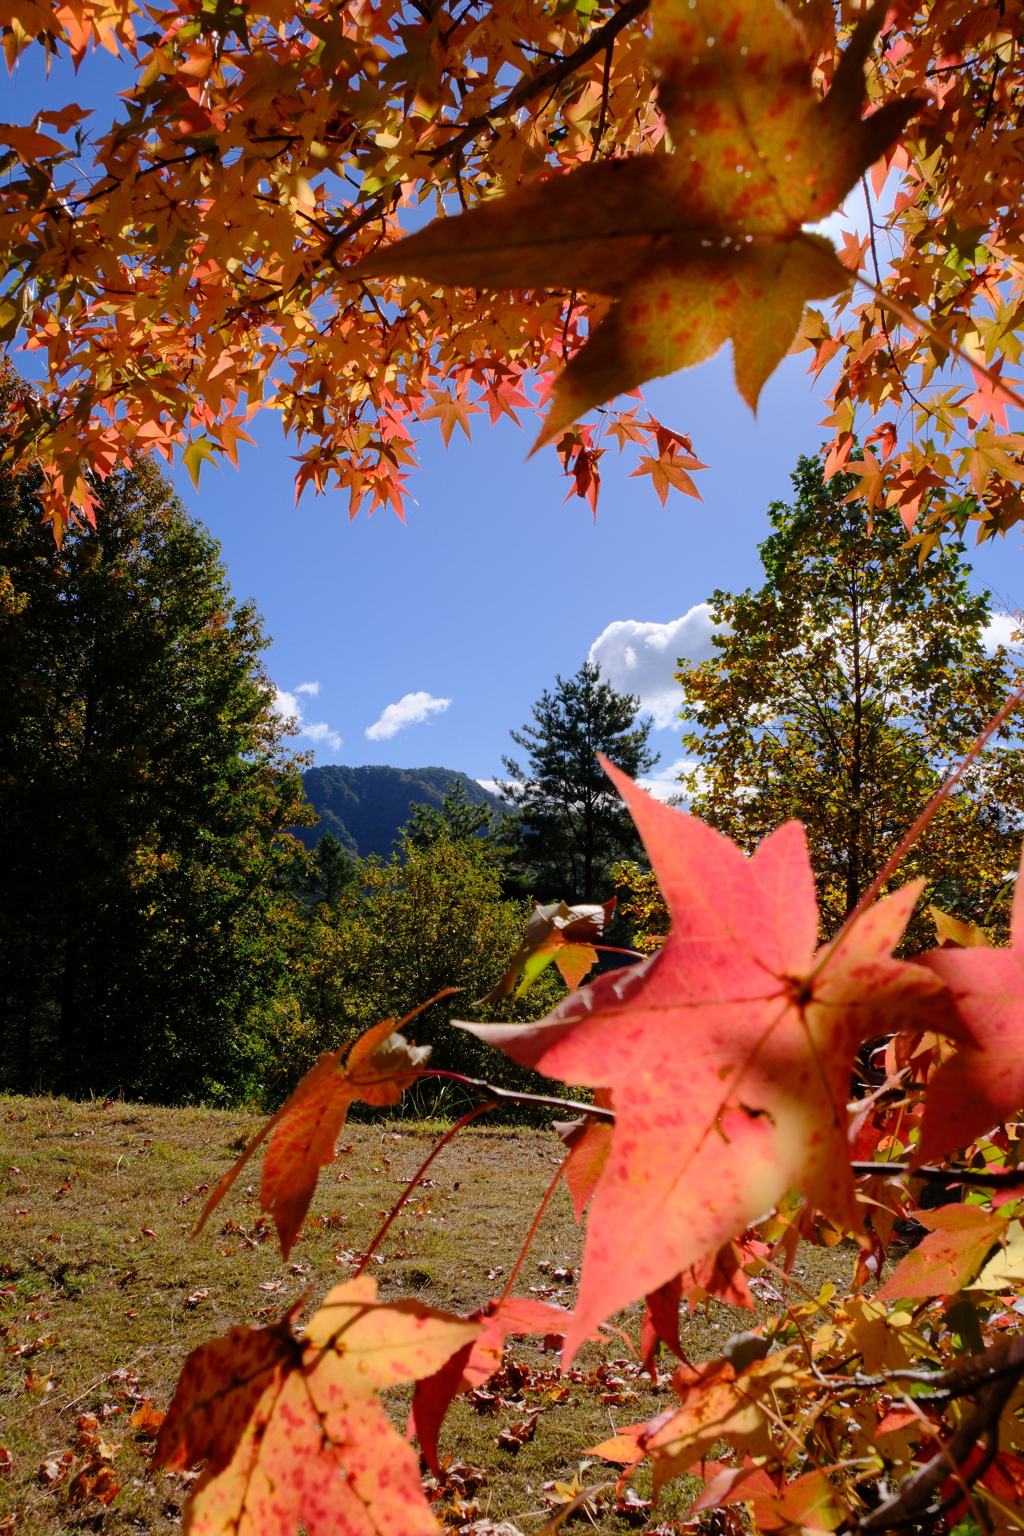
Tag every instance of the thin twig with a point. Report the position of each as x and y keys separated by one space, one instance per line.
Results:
x=957 y=350
x=509 y=1095
x=981 y=1178
x=526 y=90
x=517 y=1266
x=414 y=1181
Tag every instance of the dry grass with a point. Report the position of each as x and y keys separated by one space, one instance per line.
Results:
x=102 y=1292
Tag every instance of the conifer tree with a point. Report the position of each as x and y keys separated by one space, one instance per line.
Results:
x=144 y=791
x=571 y=825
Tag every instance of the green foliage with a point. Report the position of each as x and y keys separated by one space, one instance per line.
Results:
x=325 y=874
x=843 y=692
x=572 y=826
x=456 y=818
x=143 y=794
x=427 y=918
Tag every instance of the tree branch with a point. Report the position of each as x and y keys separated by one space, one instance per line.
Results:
x=526 y=90
x=911 y=1505
x=508 y=1096
x=982 y=1179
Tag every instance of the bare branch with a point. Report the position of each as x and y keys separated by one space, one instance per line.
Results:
x=526 y=90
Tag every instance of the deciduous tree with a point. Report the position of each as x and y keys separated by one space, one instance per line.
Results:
x=842 y=692
x=634 y=183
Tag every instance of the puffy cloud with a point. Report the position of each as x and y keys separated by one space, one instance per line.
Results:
x=641 y=658
x=664 y=784
x=289 y=707
x=411 y=709
x=321 y=731
x=1000 y=630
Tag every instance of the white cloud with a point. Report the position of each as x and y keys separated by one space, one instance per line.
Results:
x=321 y=731
x=641 y=658
x=664 y=784
x=289 y=707
x=492 y=786
x=411 y=709
x=1000 y=630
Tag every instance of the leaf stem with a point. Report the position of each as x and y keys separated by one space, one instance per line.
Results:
x=957 y=350
x=411 y=1186
x=517 y=1266
x=510 y=1096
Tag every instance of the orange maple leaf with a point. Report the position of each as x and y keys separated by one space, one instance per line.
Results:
x=292 y=1432
x=729 y=1052
x=698 y=246
x=380 y=1066
x=451 y=411
x=990 y=397
x=958 y=1239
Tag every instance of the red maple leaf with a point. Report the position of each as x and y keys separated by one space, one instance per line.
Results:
x=983 y=1083
x=729 y=1053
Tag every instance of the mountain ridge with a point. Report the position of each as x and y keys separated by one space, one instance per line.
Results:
x=364 y=808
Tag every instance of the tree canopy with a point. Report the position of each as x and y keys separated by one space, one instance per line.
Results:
x=843 y=692
x=634 y=183
x=569 y=825
x=144 y=788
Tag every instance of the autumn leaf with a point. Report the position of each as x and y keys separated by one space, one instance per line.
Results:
x=698 y=246
x=556 y=932
x=29 y=144
x=982 y=1084
x=717 y=1402
x=380 y=1066
x=451 y=411
x=809 y=1503
x=589 y=1142
x=729 y=1053
x=661 y=1324
x=477 y=1362
x=952 y=932
x=292 y=1432
x=959 y=1238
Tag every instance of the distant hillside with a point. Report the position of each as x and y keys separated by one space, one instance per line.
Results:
x=365 y=807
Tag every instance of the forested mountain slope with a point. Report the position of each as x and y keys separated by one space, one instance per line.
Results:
x=365 y=807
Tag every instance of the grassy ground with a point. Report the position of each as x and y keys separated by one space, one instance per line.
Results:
x=103 y=1294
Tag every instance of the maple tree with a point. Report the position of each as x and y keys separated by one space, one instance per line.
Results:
x=637 y=184
x=720 y=1067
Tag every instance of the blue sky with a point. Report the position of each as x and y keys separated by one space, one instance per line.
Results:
x=492 y=586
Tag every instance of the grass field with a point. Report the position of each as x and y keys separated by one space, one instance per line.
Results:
x=103 y=1294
